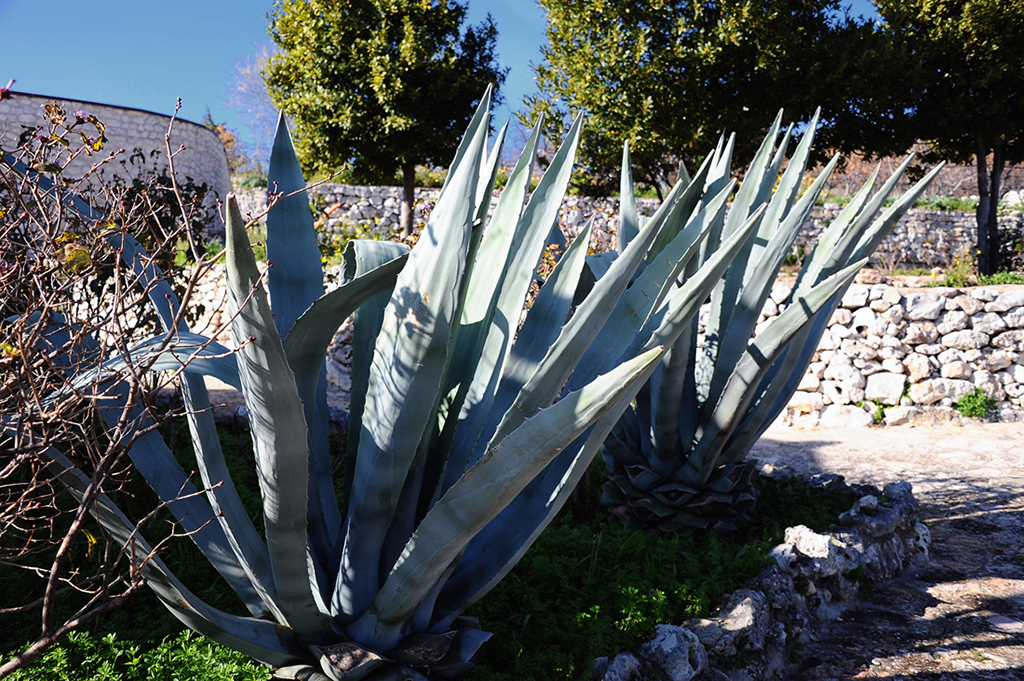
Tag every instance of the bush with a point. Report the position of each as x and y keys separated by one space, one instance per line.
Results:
x=975 y=404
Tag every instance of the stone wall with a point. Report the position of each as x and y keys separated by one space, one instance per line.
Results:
x=905 y=354
x=203 y=159
x=921 y=238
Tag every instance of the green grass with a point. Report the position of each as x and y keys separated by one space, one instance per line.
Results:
x=586 y=588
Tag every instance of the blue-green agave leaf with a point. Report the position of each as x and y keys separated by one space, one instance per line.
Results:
x=629 y=218
x=278 y=429
x=405 y=377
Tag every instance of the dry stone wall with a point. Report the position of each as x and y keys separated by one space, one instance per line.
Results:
x=921 y=238
x=203 y=159
x=906 y=355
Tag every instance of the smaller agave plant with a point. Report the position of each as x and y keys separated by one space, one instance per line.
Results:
x=678 y=455
x=467 y=429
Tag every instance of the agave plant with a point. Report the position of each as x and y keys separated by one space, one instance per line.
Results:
x=467 y=430
x=677 y=456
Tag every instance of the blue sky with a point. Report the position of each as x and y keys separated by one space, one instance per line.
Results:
x=145 y=54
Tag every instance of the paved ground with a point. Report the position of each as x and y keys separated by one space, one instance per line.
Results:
x=962 y=615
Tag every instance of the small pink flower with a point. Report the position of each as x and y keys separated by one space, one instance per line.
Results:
x=79 y=116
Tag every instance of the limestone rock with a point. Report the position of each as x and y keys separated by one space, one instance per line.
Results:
x=951 y=321
x=805 y=402
x=845 y=416
x=1010 y=340
x=856 y=296
x=918 y=367
x=988 y=322
x=935 y=389
x=884 y=386
x=676 y=652
x=957 y=369
x=969 y=305
x=920 y=306
x=965 y=340
x=991 y=385
x=922 y=332
x=1006 y=301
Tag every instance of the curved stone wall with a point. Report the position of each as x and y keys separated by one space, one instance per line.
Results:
x=204 y=158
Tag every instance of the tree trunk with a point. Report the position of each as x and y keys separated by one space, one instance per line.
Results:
x=408 y=197
x=987 y=214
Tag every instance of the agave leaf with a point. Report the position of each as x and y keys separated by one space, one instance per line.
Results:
x=689 y=202
x=480 y=121
x=651 y=287
x=405 y=378
x=761 y=278
x=516 y=251
x=262 y=640
x=485 y=489
x=278 y=430
x=629 y=219
x=761 y=354
x=188 y=352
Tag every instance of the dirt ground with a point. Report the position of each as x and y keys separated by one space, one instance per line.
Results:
x=960 y=616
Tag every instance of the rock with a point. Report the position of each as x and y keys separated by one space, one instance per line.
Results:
x=840 y=316
x=936 y=389
x=956 y=369
x=862 y=321
x=808 y=382
x=991 y=385
x=995 y=360
x=843 y=416
x=951 y=321
x=806 y=402
x=969 y=305
x=965 y=340
x=921 y=306
x=805 y=552
x=780 y=293
x=675 y=651
x=1006 y=301
x=856 y=296
x=884 y=386
x=922 y=332
x=841 y=369
x=918 y=367
x=983 y=294
x=1010 y=340
x=857 y=350
x=898 y=416
x=867 y=276
x=625 y=667
x=837 y=392
x=893 y=365
x=989 y=323
x=1014 y=319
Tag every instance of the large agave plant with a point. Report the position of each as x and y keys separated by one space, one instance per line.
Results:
x=466 y=433
x=677 y=456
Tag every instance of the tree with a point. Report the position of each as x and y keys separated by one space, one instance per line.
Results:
x=963 y=91
x=383 y=84
x=669 y=75
x=248 y=95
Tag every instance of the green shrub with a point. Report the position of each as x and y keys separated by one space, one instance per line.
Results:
x=976 y=405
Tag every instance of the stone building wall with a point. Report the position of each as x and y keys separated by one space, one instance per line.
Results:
x=203 y=159
x=921 y=238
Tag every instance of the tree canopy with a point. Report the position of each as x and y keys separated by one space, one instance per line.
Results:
x=669 y=76
x=961 y=91
x=382 y=84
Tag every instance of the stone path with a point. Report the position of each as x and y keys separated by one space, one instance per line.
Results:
x=961 y=616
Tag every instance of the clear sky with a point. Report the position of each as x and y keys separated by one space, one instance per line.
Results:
x=145 y=54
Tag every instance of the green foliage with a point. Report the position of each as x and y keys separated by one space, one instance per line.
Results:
x=950 y=204
x=85 y=657
x=976 y=404
x=251 y=181
x=383 y=85
x=668 y=77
